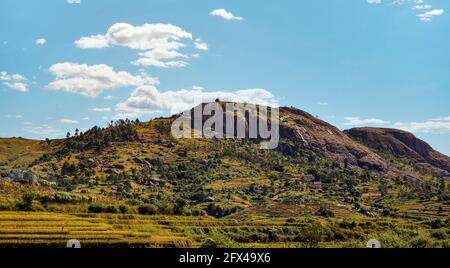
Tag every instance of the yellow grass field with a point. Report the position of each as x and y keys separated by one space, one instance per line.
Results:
x=54 y=230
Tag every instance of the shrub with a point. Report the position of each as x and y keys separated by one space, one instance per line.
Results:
x=103 y=209
x=219 y=211
x=218 y=241
x=95 y=209
x=112 y=209
x=148 y=210
x=312 y=235
x=27 y=201
x=124 y=209
x=325 y=212
x=421 y=242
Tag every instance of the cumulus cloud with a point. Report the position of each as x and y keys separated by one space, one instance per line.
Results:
x=374 y=1
x=441 y=119
x=93 y=41
x=44 y=130
x=100 y=110
x=434 y=127
x=14 y=81
x=223 y=13
x=92 y=80
x=68 y=121
x=427 y=16
x=74 y=1
x=199 y=44
x=154 y=58
x=356 y=121
x=148 y=99
x=18 y=86
x=156 y=43
x=145 y=37
x=41 y=42
x=421 y=7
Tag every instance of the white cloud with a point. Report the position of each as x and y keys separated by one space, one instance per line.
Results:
x=14 y=81
x=41 y=42
x=434 y=127
x=223 y=13
x=421 y=7
x=44 y=130
x=145 y=37
x=148 y=100
x=322 y=103
x=68 y=121
x=109 y=97
x=439 y=125
x=199 y=44
x=418 y=5
x=195 y=87
x=157 y=41
x=74 y=1
x=356 y=121
x=4 y=76
x=17 y=116
x=93 y=41
x=154 y=58
x=427 y=16
x=441 y=119
x=100 y=110
x=92 y=80
x=22 y=87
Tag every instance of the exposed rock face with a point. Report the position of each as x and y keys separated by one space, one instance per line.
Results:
x=22 y=176
x=402 y=145
x=314 y=134
x=320 y=137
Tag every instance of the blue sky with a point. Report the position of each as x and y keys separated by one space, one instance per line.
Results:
x=353 y=63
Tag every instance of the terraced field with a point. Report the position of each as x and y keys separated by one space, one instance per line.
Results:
x=37 y=229
x=54 y=230
x=43 y=229
x=20 y=229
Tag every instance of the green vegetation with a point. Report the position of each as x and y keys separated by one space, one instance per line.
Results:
x=131 y=184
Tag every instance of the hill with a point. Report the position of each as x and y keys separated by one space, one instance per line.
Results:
x=320 y=187
x=404 y=146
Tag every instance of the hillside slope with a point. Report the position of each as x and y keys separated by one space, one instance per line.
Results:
x=313 y=134
x=18 y=152
x=143 y=186
x=404 y=146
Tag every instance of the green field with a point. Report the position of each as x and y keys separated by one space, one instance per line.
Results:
x=42 y=229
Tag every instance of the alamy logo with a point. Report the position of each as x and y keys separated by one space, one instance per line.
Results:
x=230 y=120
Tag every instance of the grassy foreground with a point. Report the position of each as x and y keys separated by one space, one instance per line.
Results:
x=43 y=229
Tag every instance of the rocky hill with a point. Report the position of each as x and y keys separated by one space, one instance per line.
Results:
x=404 y=146
x=141 y=161
x=313 y=134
